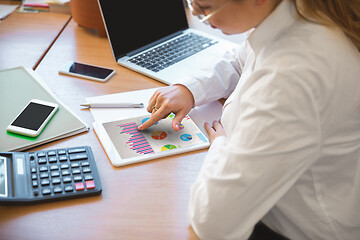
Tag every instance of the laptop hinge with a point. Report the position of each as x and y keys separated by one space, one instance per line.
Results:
x=132 y=53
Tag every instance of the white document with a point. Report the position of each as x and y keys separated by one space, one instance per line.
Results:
x=6 y=10
x=111 y=114
x=111 y=117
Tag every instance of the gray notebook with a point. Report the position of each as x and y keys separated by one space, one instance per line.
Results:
x=17 y=87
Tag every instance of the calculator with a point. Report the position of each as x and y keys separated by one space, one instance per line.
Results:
x=43 y=176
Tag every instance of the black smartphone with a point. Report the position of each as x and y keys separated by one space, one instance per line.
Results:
x=87 y=71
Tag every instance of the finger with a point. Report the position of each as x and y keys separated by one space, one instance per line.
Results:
x=154 y=96
x=217 y=125
x=152 y=101
x=151 y=104
x=177 y=120
x=151 y=121
x=154 y=109
x=155 y=117
x=208 y=128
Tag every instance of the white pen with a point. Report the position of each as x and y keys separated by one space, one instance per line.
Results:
x=113 y=105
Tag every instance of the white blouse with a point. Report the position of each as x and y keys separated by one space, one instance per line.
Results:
x=291 y=157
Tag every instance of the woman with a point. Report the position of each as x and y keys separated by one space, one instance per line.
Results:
x=287 y=148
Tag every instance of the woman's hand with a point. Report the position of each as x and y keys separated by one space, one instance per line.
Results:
x=175 y=99
x=214 y=131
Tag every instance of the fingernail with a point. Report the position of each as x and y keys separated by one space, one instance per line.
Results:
x=140 y=127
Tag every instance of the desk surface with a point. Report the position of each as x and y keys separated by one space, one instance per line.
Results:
x=25 y=37
x=141 y=201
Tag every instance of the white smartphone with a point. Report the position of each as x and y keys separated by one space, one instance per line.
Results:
x=33 y=118
x=87 y=71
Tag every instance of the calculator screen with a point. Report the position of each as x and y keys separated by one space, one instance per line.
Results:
x=3 y=177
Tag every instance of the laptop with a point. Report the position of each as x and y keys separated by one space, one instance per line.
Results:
x=154 y=39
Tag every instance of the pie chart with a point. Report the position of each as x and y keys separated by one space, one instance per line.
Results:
x=159 y=135
x=168 y=147
x=186 y=137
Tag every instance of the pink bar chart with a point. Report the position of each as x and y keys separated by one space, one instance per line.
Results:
x=137 y=141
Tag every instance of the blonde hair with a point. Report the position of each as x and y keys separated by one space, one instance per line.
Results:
x=343 y=13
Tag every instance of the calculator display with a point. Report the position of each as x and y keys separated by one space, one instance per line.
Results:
x=3 y=177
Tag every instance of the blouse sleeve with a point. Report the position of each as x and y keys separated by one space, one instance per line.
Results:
x=214 y=81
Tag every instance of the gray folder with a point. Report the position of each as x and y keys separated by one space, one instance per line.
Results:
x=17 y=87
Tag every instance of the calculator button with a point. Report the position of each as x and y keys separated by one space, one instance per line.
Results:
x=77 y=178
x=44 y=175
x=51 y=153
x=46 y=191
x=75 y=165
x=45 y=182
x=62 y=158
x=58 y=189
x=42 y=160
x=43 y=169
x=88 y=177
x=78 y=156
x=41 y=154
x=69 y=188
x=85 y=164
x=56 y=181
x=90 y=184
x=55 y=174
x=79 y=186
x=61 y=152
x=33 y=176
x=86 y=170
x=76 y=150
x=34 y=183
x=65 y=172
x=67 y=179
x=52 y=159
x=76 y=171
x=54 y=167
x=64 y=165
x=33 y=170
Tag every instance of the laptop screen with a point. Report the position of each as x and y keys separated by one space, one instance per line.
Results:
x=133 y=24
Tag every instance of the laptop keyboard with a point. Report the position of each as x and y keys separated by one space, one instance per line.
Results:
x=172 y=52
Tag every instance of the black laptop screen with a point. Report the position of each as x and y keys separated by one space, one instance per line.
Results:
x=133 y=24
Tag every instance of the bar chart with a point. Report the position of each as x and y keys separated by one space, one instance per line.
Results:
x=137 y=141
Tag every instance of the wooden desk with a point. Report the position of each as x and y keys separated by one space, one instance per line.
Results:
x=25 y=37
x=141 y=201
